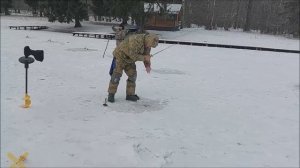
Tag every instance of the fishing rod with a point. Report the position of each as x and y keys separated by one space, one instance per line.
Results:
x=163 y=49
x=105 y=48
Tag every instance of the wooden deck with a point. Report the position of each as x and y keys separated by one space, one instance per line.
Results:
x=28 y=27
x=95 y=35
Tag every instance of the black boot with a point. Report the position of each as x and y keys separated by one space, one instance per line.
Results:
x=132 y=97
x=111 y=97
x=137 y=97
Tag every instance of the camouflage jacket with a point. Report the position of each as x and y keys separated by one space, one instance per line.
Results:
x=132 y=49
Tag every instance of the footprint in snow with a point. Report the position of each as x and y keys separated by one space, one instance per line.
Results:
x=141 y=106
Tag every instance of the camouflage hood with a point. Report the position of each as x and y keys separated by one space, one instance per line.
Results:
x=151 y=39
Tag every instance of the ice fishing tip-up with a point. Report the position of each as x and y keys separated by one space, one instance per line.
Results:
x=26 y=60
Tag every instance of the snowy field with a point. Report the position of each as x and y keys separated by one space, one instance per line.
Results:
x=199 y=107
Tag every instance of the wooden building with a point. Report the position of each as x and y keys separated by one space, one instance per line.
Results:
x=170 y=19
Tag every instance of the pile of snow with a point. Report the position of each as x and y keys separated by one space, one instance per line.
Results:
x=199 y=106
x=171 y=8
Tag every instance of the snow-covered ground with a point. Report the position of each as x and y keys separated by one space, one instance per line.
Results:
x=199 y=106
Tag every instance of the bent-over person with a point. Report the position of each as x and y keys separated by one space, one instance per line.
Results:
x=134 y=48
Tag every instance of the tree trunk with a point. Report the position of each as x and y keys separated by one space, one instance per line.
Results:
x=248 y=16
x=6 y=11
x=208 y=16
x=41 y=13
x=140 y=20
x=77 y=22
x=124 y=20
x=236 y=18
x=183 y=14
x=213 y=15
x=141 y=24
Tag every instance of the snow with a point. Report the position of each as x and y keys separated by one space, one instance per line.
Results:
x=199 y=107
x=171 y=8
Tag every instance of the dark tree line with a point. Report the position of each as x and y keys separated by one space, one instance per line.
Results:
x=77 y=10
x=56 y=10
x=5 y=5
x=124 y=9
x=116 y=8
x=266 y=16
x=67 y=11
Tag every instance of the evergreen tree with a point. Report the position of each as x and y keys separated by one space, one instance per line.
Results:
x=37 y=6
x=102 y=7
x=138 y=14
x=42 y=7
x=5 y=4
x=66 y=11
x=135 y=9
x=123 y=9
x=34 y=4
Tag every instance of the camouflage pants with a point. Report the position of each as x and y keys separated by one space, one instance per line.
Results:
x=130 y=70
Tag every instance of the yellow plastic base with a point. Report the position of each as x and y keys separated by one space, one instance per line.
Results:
x=27 y=101
x=17 y=162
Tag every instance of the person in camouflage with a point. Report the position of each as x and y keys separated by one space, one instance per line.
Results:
x=120 y=32
x=134 y=48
